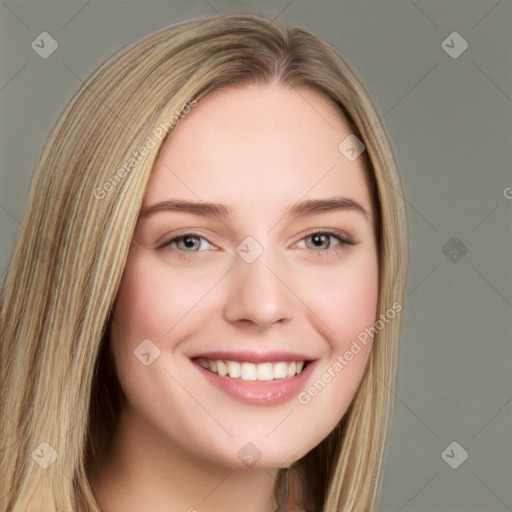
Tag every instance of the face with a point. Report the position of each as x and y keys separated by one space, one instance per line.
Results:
x=239 y=314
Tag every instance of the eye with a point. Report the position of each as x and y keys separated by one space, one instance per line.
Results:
x=189 y=242
x=321 y=241
x=184 y=246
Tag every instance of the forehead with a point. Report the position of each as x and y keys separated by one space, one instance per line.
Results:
x=258 y=146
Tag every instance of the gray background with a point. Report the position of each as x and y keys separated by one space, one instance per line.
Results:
x=450 y=124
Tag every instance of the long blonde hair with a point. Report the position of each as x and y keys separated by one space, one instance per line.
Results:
x=58 y=381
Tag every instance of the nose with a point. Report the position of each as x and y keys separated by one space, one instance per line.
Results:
x=258 y=293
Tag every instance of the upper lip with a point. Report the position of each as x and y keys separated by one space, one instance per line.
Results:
x=251 y=356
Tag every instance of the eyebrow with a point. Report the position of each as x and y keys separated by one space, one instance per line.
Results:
x=220 y=211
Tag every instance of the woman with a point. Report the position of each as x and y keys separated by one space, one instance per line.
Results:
x=202 y=311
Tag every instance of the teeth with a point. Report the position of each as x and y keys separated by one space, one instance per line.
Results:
x=222 y=368
x=248 y=371
x=251 y=371
x=204 y=363
x=265 y=371
x=233 y=369
x=280 y=370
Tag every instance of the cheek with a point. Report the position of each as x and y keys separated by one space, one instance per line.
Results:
x=348 y=307
x=359 y=300
x=157 y=303
x=139 y=306
x=347 y=301
x=142 y=312
x=150 y=305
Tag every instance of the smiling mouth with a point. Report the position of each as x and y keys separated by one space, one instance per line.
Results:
x=253 y=372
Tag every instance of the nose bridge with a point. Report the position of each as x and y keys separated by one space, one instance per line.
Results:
x=257 y=292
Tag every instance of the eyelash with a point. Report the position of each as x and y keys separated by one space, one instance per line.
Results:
x=342 y=238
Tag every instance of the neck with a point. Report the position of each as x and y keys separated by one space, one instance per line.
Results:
x=144 y=470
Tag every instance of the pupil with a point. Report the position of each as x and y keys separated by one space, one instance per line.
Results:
x=319 y=239
x=189 y=241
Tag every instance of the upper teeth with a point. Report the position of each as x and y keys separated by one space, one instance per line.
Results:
x=252 y=371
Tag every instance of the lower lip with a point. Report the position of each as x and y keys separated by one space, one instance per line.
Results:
x=260 y=393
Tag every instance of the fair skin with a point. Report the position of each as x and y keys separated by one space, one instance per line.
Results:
x=257 y=150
